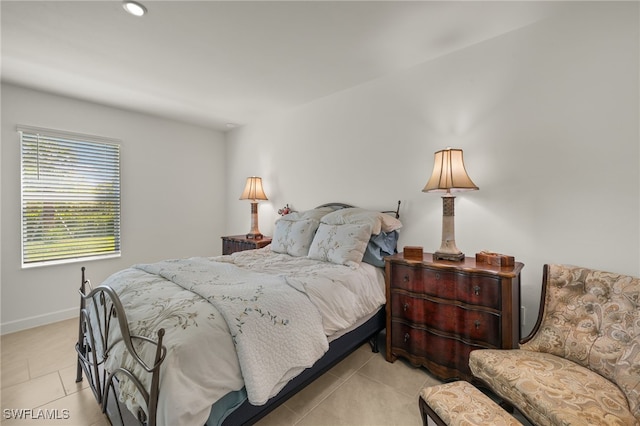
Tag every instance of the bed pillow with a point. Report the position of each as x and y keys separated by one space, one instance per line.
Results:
x=293 y=237
x=340 y=244
x=316 y=214
x=379 y=246
x=378 y=221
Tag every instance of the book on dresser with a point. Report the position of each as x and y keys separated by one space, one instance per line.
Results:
x=438 y=311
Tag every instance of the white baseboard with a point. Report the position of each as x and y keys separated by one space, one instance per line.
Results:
x=26 y=323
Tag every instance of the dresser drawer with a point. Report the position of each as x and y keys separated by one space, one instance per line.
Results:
x=462 y=322
x=407 y=278
x=474 y=289
x=418 y=344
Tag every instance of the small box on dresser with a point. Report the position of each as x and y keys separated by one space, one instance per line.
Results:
x=438 y=311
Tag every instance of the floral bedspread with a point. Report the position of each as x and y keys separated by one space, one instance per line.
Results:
x=275 y=328
x=253 y=319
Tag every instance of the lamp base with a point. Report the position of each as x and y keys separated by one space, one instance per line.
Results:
x=456 y=257
x=254 y=232
x=448 y=249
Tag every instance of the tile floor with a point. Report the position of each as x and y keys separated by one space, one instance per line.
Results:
x=39 y=371
x=363 y=389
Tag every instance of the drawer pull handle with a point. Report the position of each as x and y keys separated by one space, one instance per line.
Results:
x=405 y=307
x=437 y=275
x=406 y=337
x=477 y=324
x=406 y=278
x=476 y=290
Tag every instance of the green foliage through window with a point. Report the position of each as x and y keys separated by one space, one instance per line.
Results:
x=70 y=197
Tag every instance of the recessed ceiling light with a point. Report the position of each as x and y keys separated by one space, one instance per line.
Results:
x=134 y=8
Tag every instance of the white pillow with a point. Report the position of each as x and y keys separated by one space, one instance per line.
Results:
x=377 y=220
x=341 y=244
x=293 y=237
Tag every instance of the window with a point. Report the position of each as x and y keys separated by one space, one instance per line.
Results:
x=70 y=197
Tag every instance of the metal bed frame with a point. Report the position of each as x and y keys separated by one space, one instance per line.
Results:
x=95 y=342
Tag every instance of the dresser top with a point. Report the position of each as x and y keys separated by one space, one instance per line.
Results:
x=244 y=238
x=468 y=264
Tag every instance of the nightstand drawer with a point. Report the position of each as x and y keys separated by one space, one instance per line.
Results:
x=474 y=289
x=235 y=243
x=467 y=324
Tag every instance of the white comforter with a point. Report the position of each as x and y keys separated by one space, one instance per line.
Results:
x=257 y=345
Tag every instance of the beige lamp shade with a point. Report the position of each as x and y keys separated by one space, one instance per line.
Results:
x=253 y=189
x=449 y=173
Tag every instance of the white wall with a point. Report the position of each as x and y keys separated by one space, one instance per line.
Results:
x=548 y=120
x=173 y=195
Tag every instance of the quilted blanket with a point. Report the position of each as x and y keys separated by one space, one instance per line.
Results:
x=250 y=320
x=254 y=320
x=275 y=328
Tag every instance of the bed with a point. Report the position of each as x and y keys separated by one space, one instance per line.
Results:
x=227 y=339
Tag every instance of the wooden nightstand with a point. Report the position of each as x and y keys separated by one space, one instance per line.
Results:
x=234 y=243
x=439 y=311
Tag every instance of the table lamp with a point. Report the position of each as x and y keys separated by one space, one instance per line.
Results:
x=449 y=175
x=253 y=191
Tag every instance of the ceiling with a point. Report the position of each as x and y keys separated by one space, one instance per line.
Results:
x=224 y=64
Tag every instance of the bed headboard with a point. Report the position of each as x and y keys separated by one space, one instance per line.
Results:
x=337 y=206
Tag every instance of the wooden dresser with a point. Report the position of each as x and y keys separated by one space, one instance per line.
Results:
x=234 y=243
x=439 y=311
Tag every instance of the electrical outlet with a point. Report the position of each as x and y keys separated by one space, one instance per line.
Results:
x=522 y=315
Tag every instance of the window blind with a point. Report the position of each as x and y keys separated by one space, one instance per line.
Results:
x=70 y=197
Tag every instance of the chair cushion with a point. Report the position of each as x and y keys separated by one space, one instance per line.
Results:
x=551 y=390
x=460 y=403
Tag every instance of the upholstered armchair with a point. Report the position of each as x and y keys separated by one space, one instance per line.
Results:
x=581 y=363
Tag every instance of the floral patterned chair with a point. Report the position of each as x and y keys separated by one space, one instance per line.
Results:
x=581 y=363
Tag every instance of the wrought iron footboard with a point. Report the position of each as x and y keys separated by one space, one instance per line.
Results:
x=101 y=312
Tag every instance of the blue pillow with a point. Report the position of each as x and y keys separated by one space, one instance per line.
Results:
x=381 y=245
